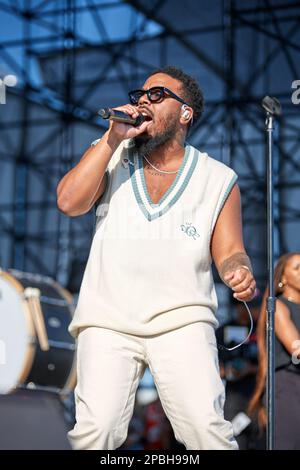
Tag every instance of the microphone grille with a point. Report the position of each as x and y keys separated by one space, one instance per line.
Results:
x=104 y=113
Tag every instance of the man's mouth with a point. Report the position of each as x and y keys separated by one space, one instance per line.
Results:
x=146 y=115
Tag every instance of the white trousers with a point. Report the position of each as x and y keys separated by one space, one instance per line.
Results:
x=184 y=365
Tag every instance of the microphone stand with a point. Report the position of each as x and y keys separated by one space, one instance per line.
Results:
x=272 y=108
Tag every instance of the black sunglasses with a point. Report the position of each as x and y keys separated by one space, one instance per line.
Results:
x=155 y=94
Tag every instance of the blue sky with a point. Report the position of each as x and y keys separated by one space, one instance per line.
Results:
x=114 y=21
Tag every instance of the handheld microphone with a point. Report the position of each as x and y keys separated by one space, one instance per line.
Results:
x=119 y=116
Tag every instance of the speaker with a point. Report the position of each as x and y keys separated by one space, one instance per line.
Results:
x=32 y=420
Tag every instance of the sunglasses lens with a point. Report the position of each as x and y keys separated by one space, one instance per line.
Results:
x=134 y=96
x=155 y=94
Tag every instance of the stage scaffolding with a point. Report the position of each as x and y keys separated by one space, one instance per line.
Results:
x=72 y=57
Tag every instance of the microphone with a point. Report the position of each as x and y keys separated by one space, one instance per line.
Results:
x=119 y=116
x=271 y=105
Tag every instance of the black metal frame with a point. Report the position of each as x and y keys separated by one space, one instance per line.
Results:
x=269 y=22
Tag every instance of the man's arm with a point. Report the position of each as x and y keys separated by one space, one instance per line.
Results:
x=228 y=251
x=80 y=188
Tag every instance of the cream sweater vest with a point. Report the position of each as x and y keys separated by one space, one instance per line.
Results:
x=149 y=267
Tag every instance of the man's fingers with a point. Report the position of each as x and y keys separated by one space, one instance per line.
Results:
x=245 y=284
x=245 y=287
x=246 y=294
x=128 y=109
x=142 y=127
x=228 y=276
x=240 y=277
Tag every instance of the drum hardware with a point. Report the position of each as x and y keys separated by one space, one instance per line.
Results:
x=54 y=322
x=61 y=345
x=32 y=295
x=49 y=301
x=36 y=278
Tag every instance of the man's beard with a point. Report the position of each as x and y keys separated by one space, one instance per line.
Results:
x=145 y=144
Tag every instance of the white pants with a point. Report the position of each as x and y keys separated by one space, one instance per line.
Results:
x=184 y=365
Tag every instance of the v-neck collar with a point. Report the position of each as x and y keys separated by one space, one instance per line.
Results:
x=149 y=209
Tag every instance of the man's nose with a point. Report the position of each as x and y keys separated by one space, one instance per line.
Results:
x=144 y=100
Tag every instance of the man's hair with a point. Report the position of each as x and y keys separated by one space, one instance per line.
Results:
x=192 y=93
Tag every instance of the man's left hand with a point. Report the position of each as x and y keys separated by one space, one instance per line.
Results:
x=242 y=282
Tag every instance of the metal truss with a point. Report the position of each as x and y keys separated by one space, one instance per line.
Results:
x=69 y=62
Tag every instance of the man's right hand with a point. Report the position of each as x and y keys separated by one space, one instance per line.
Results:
x=121 y=131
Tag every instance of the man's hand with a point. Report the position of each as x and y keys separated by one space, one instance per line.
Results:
x=242 y=282
x=126 y=131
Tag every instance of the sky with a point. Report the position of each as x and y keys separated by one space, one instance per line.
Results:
x=113 y=22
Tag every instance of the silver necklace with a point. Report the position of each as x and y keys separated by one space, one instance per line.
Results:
x=160 y=171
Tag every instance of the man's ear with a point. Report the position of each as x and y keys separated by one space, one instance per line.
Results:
x=186 y=114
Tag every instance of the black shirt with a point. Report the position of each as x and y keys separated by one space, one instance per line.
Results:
x=283 y=358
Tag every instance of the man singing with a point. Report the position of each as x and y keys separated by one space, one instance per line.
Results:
x=164 y=211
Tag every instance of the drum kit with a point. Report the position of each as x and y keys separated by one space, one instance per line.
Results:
x=36 y=349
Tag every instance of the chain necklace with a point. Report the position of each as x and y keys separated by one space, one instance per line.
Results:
x=151 y=172
x=160 y=171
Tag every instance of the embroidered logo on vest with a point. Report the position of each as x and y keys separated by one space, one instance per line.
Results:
x=190 y=230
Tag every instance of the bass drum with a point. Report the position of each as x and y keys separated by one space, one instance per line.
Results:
x=36 y=349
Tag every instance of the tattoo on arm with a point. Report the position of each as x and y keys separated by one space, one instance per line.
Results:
x=234 y=262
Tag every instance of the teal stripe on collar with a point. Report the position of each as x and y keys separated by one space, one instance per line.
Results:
x=136 y=171
x=173 y=185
